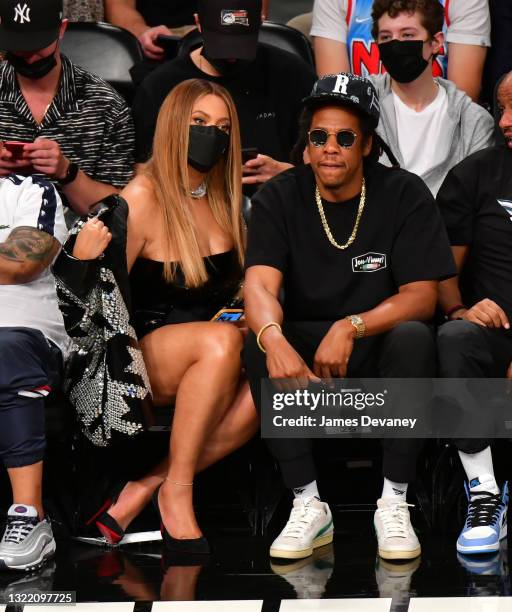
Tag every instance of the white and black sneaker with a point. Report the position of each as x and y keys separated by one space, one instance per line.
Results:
x=27 y=542
x=309 y=527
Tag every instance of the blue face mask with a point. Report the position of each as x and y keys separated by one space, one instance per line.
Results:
x=206 y=145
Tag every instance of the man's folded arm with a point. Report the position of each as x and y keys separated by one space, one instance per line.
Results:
x=25 y=254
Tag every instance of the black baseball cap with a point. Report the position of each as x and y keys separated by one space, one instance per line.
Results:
x=29 y=25
x=346 y=89
x=230 y=28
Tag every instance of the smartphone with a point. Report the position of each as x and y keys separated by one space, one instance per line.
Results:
x=15 y=147
x=249 y=153
x=169 y=43
x=229 y=315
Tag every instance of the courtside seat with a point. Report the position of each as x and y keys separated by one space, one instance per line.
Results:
x=105 y=50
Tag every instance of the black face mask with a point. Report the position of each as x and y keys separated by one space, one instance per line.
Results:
x=36 y=70
x=207 y=144
x=403 y=59
x=227 y=68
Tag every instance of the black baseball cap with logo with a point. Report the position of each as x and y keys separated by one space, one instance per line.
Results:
x=346 y=89
x=29 y=25
x=230 y=28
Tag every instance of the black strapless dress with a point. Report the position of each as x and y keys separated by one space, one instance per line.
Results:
x=157 y=303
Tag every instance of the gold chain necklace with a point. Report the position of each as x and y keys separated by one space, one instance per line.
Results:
x=327 y=229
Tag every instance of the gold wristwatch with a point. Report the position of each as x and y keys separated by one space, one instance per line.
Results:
x=359 y=325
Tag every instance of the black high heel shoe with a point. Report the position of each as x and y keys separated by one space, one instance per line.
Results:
x=106 y=525
x=191 y=546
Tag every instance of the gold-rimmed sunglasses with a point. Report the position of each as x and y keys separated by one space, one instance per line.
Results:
x=345 y=138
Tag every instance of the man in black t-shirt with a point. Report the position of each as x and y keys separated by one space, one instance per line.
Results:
x=267 y=85
x=358 y=249
x=476 y=203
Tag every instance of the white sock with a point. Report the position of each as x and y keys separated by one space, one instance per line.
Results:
x=396 y=490
x=307 y=491
x=480 y=471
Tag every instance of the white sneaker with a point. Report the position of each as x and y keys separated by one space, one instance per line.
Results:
x=309 y=527
x=395 y=535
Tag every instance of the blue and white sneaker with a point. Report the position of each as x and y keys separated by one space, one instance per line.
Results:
x=486 y=523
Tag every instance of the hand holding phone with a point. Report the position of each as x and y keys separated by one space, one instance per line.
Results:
x=249 y=153
x=16 y=148
x=169 y=43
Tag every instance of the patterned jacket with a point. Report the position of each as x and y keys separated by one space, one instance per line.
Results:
x=106 y=379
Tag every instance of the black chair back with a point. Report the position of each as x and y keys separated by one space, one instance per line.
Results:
x=271 y=33
x=288 y=39
x=105 y=50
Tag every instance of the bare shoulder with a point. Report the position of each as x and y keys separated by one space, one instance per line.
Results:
x=141 y=198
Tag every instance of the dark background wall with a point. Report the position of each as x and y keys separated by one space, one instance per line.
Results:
x=284 y=10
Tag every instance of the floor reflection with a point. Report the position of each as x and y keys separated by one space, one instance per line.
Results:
x=309 y=576
x=13 y=585
x=487 y=575
x=394 y=579
x=241 y=569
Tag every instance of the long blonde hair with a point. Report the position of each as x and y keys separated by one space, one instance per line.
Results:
x=168 y=170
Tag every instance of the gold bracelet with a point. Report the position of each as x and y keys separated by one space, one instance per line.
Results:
x=264 y=328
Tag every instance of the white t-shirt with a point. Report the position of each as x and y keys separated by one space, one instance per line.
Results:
x=349 y=21
x=32 y=202
x=422 y=135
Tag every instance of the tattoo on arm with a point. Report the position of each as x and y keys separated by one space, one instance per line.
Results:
x=28 y=244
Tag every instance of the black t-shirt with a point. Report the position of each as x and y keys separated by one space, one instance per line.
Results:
x=172 y=13
x=267 y=97
x=476 y=203
x=401 y=239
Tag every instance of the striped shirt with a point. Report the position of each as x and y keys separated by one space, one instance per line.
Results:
x=87 y=117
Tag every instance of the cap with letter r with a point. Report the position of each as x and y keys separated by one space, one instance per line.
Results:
x=346 y=90
x=29 y=25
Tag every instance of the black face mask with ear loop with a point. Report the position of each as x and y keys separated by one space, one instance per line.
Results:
x=403 y=59
x=36 y=70
x=207 y=144
x=227 y=68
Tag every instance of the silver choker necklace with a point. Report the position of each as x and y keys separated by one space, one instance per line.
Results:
x=200 y=192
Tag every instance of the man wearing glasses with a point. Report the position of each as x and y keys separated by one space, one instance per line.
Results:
x=358 y=249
